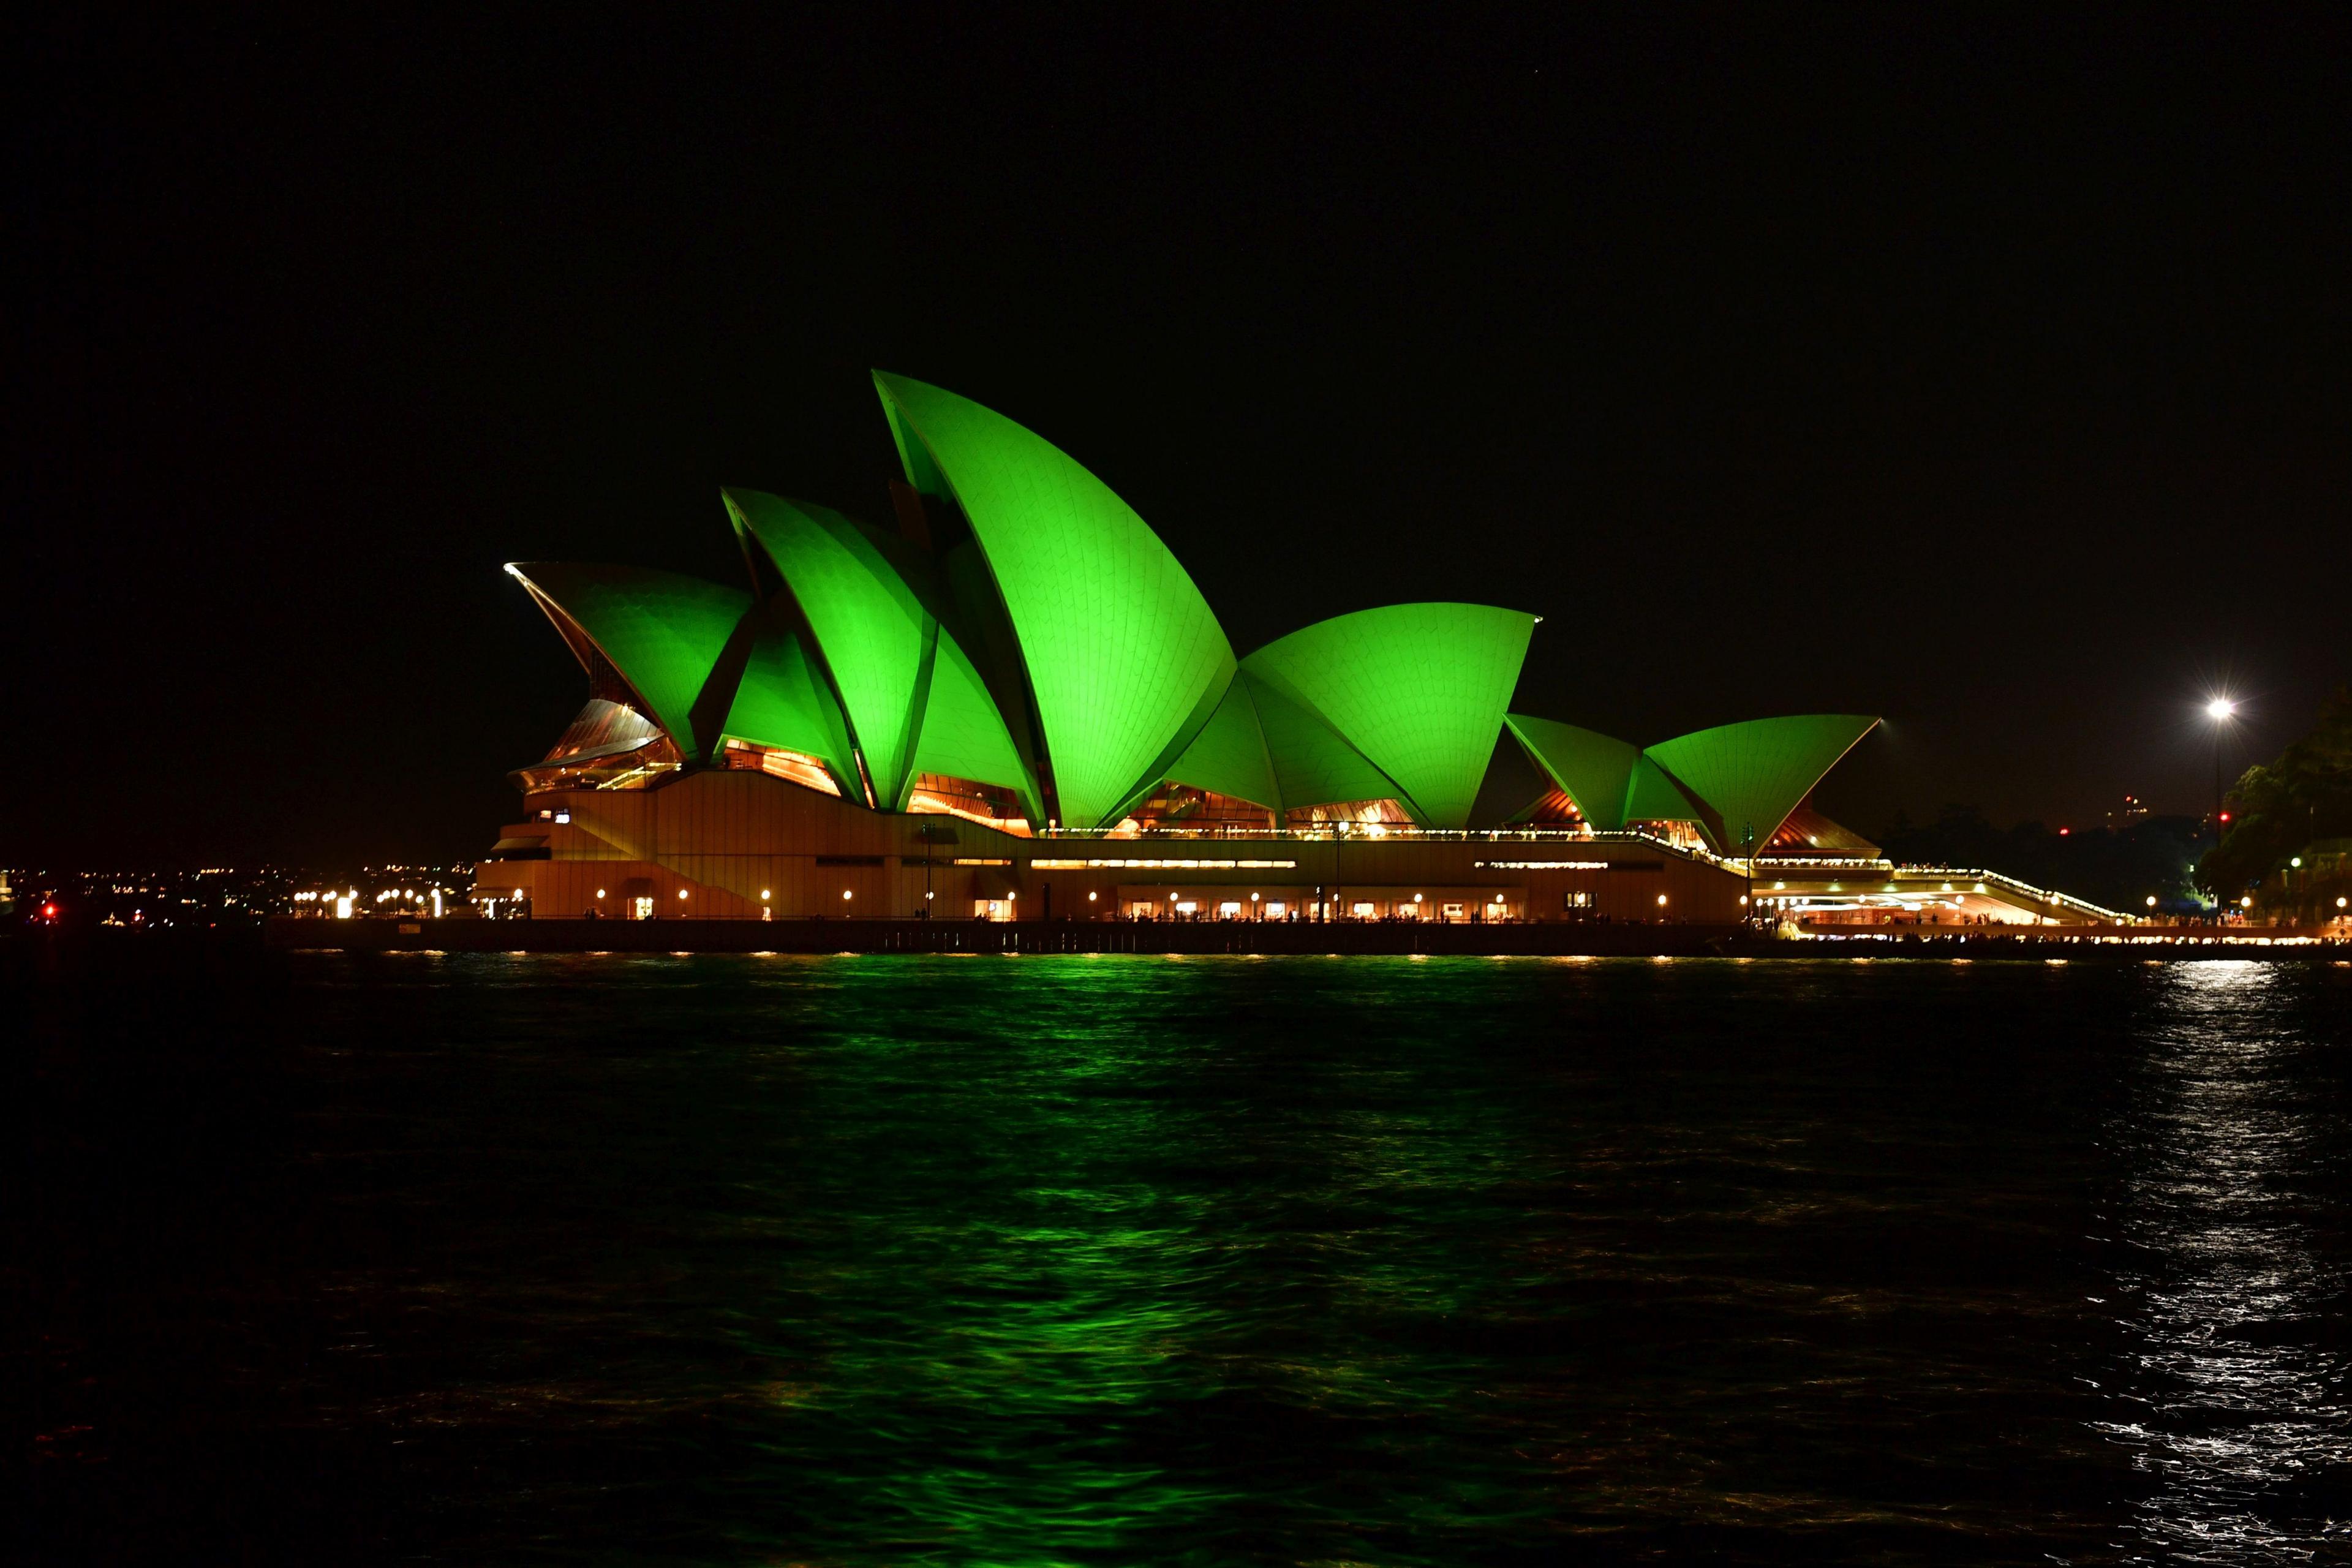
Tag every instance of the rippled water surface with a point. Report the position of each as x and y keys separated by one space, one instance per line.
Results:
x=1106 y=1260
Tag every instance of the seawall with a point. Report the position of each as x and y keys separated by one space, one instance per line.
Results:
x=1557 y=938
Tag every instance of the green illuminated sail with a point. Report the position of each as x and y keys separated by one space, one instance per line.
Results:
x=963 y=735
x=872 y=628
x=1228 y=756
x=1652 y=797
x=1753 y=774
x=662 y=632
x=783 y=701
x=1418 y=689
x=1591 y=769
x=1124 y=658
x=1313 y=764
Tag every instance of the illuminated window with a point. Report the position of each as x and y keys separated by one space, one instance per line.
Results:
x=609 y=745
x=990 y=804
x=798 y=767
x=1179 y=808
x=1359 y=813
x=1136 y=865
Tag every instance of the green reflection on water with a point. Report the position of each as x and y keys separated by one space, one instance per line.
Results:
x=1042 y=1278
x=1117 y=1260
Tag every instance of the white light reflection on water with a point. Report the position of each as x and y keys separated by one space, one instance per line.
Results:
x=2243 y=1407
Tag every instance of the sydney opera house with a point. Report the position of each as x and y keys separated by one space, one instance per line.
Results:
x=1015 y=704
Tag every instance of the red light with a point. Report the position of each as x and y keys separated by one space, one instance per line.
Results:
x=2225 y=817
x=49 y=911
x=2064 y=831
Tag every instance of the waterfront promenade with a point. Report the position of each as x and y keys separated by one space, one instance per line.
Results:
x=1554 y=939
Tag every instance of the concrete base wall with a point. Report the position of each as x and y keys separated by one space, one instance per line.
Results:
x=730 y=846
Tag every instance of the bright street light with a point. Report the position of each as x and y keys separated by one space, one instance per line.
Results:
x=2221 y=710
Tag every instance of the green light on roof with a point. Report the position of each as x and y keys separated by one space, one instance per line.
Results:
x=1591 y=769
x=870 y=624
x=662 y=631
x=1753 y=774
x=963 y=735
x=783 y=701
x=1228 y=756
x=1419 y=690
x=1123 y=655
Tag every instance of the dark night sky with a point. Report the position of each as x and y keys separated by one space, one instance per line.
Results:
x=1996 y=381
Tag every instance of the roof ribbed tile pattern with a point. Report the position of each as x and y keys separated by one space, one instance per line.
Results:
x=1419 y=690
x=1313 y=764
x=784 y=701
x=1653 y=796
x=1122 y=652
x=964 y=734
x=1078 y=625
x=1756 y=773
x=1593 y=769
x=1228 y=756
x=870 y=624
x=662 y=631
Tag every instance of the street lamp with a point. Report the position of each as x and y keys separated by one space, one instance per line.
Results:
x=2221 y=711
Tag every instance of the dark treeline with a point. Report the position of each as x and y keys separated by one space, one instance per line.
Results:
x=2282 y=808
x=2119 y=868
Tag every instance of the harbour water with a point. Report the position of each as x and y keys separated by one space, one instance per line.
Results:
x=1096 y=1260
